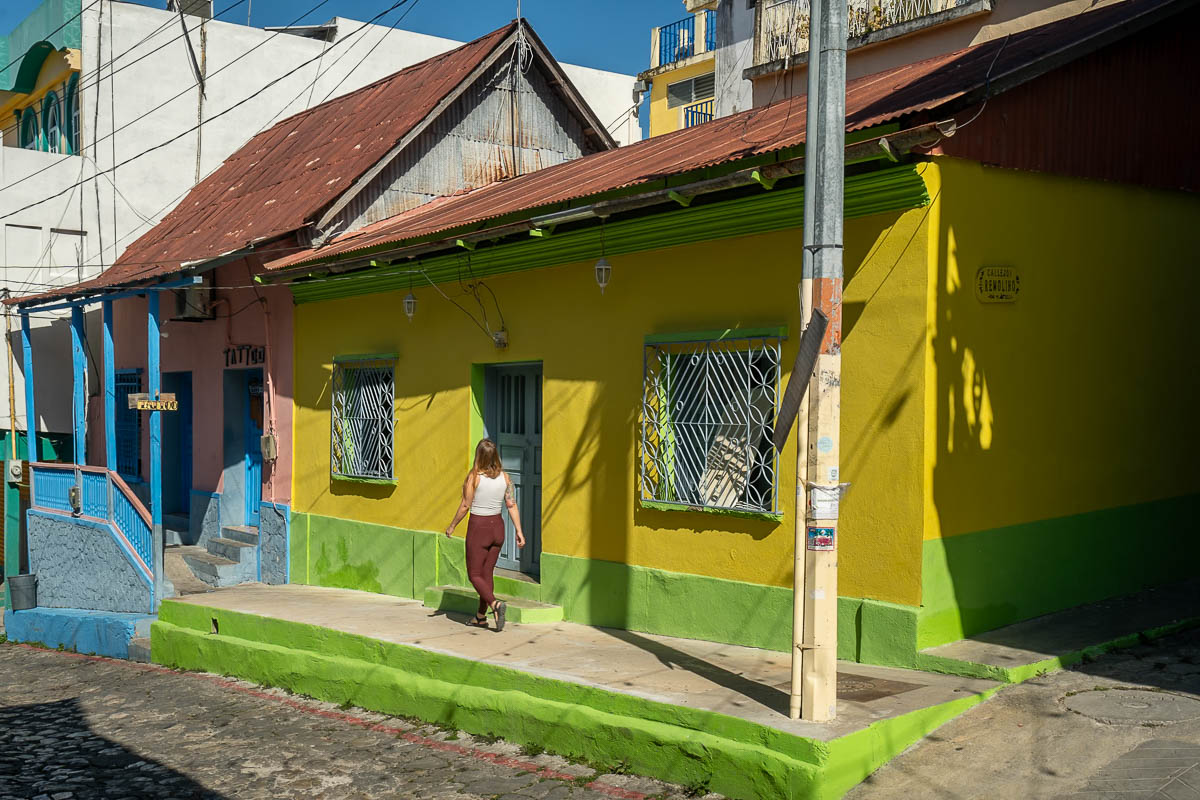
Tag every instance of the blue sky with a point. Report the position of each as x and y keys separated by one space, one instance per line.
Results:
x=613 y=35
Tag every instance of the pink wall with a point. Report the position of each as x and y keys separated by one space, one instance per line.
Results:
x=199 y=347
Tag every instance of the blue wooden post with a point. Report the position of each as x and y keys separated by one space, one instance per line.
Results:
x=79 y=396
x=154 y=385
x=110 y=391
x=31 y=448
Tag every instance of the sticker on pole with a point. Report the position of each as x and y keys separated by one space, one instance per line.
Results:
x=822 y=538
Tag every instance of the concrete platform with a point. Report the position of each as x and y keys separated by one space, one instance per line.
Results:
x=101 y=633
x=1017 y=652
x=688 y=711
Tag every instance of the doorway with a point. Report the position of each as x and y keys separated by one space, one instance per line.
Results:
x=177 y=445
x=513 y=419
x=241 y=496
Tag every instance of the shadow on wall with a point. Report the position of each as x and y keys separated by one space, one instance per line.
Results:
x=1058 y=434
x=95 y=765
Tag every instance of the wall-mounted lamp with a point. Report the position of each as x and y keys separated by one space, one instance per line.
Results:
x=603 y=273
x=410 y=306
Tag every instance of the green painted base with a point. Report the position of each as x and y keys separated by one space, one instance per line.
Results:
x=376 y=558
x=693 y=747
x=978 y=582
x=466 y=601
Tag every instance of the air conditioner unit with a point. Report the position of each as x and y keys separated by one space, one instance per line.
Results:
x=195 y=303
x=197 y=8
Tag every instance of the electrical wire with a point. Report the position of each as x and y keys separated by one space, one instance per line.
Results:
x=181 y=94
x=51 y=33
x=391 y=29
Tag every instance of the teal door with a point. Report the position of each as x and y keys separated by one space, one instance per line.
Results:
x=254 y=430
x=514 y=421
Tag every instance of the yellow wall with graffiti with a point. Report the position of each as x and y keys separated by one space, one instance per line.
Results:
x=591 y=348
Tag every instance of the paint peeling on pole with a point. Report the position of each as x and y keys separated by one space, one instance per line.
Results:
x=814 y=629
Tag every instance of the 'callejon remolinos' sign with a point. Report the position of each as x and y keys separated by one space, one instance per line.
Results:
x=245 y=355
x=997 y=284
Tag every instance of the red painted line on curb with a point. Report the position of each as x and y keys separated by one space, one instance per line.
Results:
x=409 y=736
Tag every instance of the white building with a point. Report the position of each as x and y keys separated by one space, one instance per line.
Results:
x=107 y=128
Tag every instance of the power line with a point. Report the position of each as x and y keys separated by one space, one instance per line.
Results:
x=51 y=33
x=176 y=97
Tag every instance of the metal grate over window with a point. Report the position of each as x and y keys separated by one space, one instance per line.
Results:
x=363 y=418
x=708 y=416
x=128 y=424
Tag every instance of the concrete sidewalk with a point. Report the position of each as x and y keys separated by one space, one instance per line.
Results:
x=696 y=713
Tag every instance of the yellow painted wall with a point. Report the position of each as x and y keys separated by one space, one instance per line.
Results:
x=591 y=347
x=1080 y=396
x=662 y=118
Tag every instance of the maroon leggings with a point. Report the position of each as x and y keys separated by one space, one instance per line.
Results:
x=485 y=536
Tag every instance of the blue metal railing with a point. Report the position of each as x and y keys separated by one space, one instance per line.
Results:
x=698 y=114
x=677 y=41
x=94 y=500
x=103 y=495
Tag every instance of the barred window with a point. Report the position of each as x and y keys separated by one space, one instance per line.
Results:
x=363 y=417
x=128 y=424
x=708 y=418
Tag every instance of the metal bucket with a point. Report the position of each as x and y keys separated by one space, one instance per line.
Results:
x=23 y=590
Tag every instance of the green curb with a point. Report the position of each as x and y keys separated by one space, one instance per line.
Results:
x=465 y=601
x=1019 y=674
x=692 y=747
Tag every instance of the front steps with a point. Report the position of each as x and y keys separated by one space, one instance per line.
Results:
x=464 y=600
x=225 y=560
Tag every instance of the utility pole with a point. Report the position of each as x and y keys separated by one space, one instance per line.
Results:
x=814 y=627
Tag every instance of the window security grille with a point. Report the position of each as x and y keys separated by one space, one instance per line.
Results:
x=363 y=419
x=128 y=424
x=681 y=93
x=708 y=417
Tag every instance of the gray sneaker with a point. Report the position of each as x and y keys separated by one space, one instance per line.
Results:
x=501 y=610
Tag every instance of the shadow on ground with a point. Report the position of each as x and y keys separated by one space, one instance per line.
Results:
x=49 y=749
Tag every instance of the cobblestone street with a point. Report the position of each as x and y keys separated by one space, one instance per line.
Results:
x=78 y=728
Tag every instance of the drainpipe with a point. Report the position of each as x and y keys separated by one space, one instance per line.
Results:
x=814 y=624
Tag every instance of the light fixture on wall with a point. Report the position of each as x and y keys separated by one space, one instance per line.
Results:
x=603 y=268
x=410 y=305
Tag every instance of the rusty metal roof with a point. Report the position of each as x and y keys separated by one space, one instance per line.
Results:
x=275 y=182
x=951 y=80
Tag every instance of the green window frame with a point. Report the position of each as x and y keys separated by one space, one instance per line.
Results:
x=52 y=124
x=30 y=133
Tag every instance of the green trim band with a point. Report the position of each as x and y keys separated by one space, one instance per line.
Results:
x=662 y=505
x=375 y=481
x=777 y=332
x=366 y=357
x=886 y=190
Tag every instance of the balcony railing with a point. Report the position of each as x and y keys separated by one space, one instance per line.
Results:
x=784 y=29
x=677 y=41
x=698 y=114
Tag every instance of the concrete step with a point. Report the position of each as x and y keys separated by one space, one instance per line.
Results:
x=139 y=649
x=232 y=549
x=241 y=533
x=179 y=574
x=215 y=570
x=464 y=601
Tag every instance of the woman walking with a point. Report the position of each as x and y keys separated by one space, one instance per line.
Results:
x=486 y=491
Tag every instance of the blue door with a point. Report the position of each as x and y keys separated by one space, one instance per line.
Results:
x=254 y=432
x=514 y=403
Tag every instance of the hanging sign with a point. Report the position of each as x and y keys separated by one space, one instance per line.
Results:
x=822 y=538
x=142 y=402
x=997 y=284
x=245 y=355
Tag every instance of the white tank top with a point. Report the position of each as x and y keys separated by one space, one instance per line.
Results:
x=489 y=495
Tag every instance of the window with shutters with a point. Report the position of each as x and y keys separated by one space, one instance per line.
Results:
x=363 y=418
x=681 y=93
x=708 y=417
x=128 y=425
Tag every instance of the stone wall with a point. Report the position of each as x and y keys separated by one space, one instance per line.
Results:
x=79 y=564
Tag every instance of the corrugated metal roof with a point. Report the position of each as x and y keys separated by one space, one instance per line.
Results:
x=275 y=182
x=964 y=75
